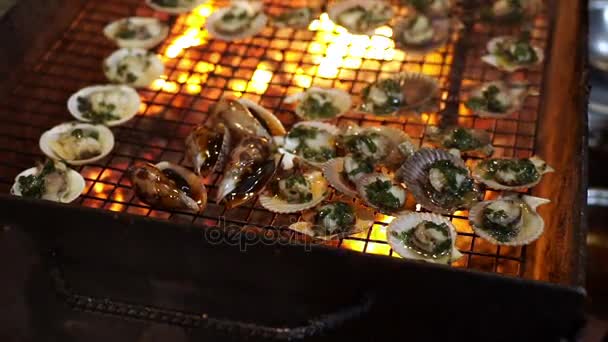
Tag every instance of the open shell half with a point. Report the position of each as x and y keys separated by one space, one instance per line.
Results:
x=181 y=6
x=510 y=98
x=420 y=34
x=417 y=175
x=312 y=141
x=65 y=184
x=314 y=226
x=469 y=141
x=84 y=104
x=244 y=118
x=321 y=104
x=223 y=25
x=500 y=63
x=336 y=171
x=77 y=143
x=271 y=123
x=388 y=146
x=511 y=173
x=383 y=193
x=360 y=16
x=409 y=243
x=136 y=32
x=305 y=189
x=135 y=67
x=403 y=94
x=208 y=148
x=523 y=224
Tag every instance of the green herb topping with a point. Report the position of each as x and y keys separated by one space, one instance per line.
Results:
x=457 y=187
x=501 y=232
x=378 y=193
x=316 y=109
x=511 y=172
x=336 y=217
x=103 y=113
x=34 y=186
x=394 y=97
x=364 y=165
x=427 y=238
x=294 y=189
x=488 y=101
x=517 y=51
x=304 y=133
x=462 y=139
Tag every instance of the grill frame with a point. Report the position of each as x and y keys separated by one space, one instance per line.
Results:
x=451 y=105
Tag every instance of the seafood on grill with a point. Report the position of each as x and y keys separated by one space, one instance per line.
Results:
x=136 y=32
x=361 y=16
x=241 y=20
x=343 y=173
x=423 y=236
x=51 y=181
x=469 y=141
x=401 y=94
x=433 y=8
x=387 y=146
x=511 y=11
x=497 y=99
x=439 y=181
x=295 y=190
x=168 y=186
x=381 y=192
x=133 y=67
x=510 y=53
x=421 y=33
x=245 y=118
x=295 y=18
x=335 y=219
x=313 y=141
x=511 y=220
x=250 y=167
x=320 y=104
x=511 y=173
x=77 y=143
x=110 y=105
x=174 y=6
x=208 y=147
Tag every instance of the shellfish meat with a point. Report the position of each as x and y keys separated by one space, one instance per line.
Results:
x=511 y=174
x=466 y=140
x=51 y=181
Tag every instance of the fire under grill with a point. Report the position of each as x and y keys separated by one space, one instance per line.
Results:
x=265 y=69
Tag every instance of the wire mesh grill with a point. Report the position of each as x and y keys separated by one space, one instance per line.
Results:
x=265 y=68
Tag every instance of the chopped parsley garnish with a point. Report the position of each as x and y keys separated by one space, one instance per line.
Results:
x=430 y=248
x=314 y=109
x=502 y=233
x=453 y=193
x=462 y=139
x=363 y=166
x=517 y=171
x=34 y=186
x=392 y=89
x=296 y=189
x=303 y=133
x=341 y=213
x=355 y=143
x=79 y=134
x=488 y=101
x=104 y=114
x=517 y=51
x=378 y=193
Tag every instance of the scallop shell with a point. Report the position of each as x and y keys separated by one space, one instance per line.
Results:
x=333 y=170
x=154 y=71
x=364 y=220
x=441 y=25
x=540 y=165
x=257 y=25
x=319 y=193
x=322 y=126
x=265 y=117
x=410 y=220
x=402 y=145
x=106 y=138
x=413 y=172
x=533 y=223
x=517 y=95
x=419 y=91
x=494 y=61
x=133 y=98
x=341 y=99
x=110 y=32
x=435 y=135
x=365 y=181
x=338 y=7
x=175 y=10
x=74 y=179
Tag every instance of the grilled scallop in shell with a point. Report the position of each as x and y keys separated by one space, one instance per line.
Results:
x=423 y=236
x=208 y=148
x=250 y=167
x=168 y=186
x=511 y=173
x=511 y=220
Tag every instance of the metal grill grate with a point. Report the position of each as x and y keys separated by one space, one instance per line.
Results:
x=265 y=68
